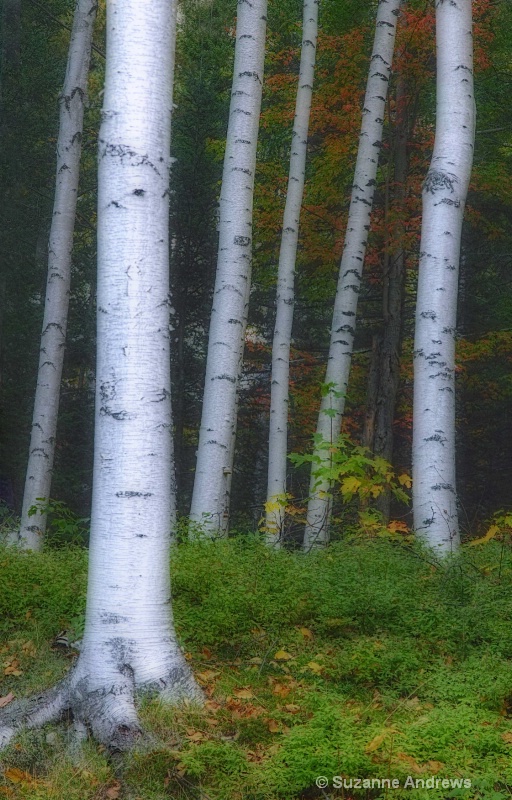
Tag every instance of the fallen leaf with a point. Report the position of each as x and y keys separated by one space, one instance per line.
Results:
x=507 y=737
x=397 y=525
x=435 y=766
x=412 y=764
x=375 y=743
x=281 y=690
x=314 y=667
x=292 y=708
x=16 y=775
x=273 y=726
x=113 y=791
x=212 y=706
x=194 y=736
x=243 y=694
x=306 y=633
x=8 y=698
x=282 y=655
x=207 y=676
x=255 y=660
x=206 y=652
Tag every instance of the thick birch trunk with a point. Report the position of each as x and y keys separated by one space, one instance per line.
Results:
x=210 y=499
x=53 y=336
x=279 y=392
x=129 y=642
x=345 y=304
x=444 y=196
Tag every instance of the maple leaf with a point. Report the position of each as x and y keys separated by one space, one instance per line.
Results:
x=396 y=525
x=306 y=633
x=349 y=486
x=405 y=480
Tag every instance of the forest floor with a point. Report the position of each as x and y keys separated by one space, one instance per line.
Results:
x=365 y=661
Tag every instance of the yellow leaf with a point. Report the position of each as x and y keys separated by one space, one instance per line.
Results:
x=405 y=480
x=350 y=485
x=491 y=533
x=378 y=740
x=282 y=655
x=306 y=633
x=375 y=743
x=314 y=667
x=243 y=694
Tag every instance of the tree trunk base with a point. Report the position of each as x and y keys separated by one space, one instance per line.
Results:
x=105 y=709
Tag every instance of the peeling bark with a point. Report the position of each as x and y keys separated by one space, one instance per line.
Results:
x=444 y=197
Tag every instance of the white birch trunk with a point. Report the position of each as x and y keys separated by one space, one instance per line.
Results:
x=129 y=642
x=444 y=196
x=280 y=380
x=53 y=337
x=356 y=237
x=210 y=499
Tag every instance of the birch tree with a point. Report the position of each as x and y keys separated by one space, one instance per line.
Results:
x=280 y=379
x=347 y=292
x=444 y=196
x=53 y=337
x=210 y=498
x=129 y=642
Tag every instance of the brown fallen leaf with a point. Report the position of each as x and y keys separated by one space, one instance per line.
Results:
x=243 y=694
x=281 y=690
x=507 y=737
x=207 y=676
x=273 y=726
x=16 y=775
x=292 y=708
x=8 y=698
x=113 y=791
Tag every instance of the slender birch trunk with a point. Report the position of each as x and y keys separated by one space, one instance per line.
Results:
x=279 y=391
x=444 y=197
x=210 y=499
x=345 y=304
x=53 y=336
x=129 y=640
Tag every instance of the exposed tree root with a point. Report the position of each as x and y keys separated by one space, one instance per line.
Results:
x=105 y=708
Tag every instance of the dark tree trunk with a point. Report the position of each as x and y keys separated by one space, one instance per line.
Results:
x=384 y=379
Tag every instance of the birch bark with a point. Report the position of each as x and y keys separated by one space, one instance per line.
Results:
x=53 y=336
x=129 y=642
x=280 y=379
x=210 y=498
x=444 y=197
x=345 y=305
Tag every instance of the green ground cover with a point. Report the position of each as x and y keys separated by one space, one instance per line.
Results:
x=365 y=661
